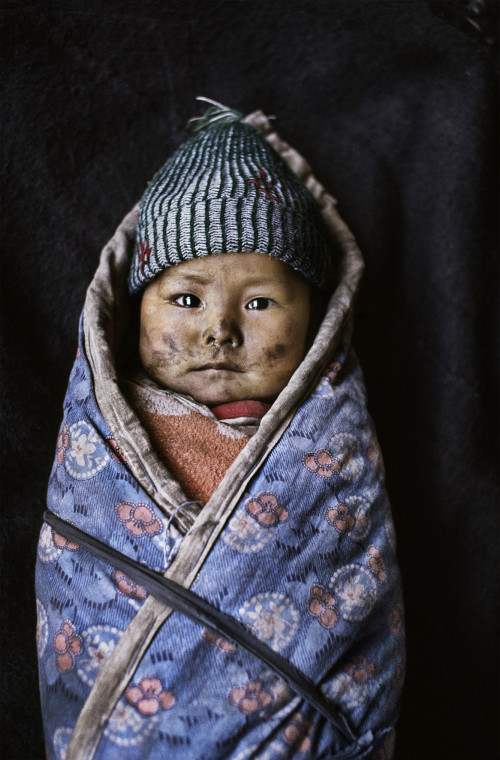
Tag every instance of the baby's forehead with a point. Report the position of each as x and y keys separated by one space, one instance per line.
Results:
x=233 y=264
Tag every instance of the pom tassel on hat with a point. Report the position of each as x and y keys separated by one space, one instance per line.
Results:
x=217 y=114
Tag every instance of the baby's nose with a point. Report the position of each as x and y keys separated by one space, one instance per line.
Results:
x=222 y=331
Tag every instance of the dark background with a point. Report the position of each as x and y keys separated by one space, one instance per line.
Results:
x=394 y=105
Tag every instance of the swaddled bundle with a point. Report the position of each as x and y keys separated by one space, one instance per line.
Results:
x=217 y=576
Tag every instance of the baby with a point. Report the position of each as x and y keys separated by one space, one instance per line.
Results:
x=216 y=574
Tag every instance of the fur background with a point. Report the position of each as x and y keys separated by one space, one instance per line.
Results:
x=393 y=102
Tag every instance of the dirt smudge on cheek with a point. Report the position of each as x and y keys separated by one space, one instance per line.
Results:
x=166 y=350
x=168 y=340
x=276 y=352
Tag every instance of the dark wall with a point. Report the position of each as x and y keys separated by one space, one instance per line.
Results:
x=393 y=103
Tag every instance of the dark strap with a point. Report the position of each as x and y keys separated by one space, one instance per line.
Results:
x=198 y=609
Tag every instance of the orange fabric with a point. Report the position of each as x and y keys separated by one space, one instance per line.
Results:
x=193 y=449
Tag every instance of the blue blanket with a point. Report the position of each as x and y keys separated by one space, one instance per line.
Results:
x=306 y=562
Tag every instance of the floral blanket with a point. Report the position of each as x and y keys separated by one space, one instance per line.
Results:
x=306 y=563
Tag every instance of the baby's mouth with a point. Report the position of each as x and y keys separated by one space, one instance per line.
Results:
x=219 y=366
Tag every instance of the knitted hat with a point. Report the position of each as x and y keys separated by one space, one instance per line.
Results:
x=227 y=190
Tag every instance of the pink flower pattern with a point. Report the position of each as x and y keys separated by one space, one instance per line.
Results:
x=376 y=564
x=265 y=509
x=116 y=452
x=340 y=517
x=322 y=605
x=149 y=696
x=374 y=455
x=138 y=519
x=63 y=543
x=360 y=669
x=250 y=697
x=297 y=733
x=218 y=641
x=127 y=586
x=395 y=621
x=322 y=463
x=62 y=444
x=67 y=645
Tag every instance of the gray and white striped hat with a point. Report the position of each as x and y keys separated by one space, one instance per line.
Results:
x=227 y=190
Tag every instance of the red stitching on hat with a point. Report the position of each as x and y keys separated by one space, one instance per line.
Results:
x=143 y=255
x=265 y=186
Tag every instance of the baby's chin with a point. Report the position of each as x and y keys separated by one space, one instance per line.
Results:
x=205 y=391
x=211 y=399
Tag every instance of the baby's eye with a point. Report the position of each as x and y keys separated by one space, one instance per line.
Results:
x=187 y=300
x=260 y=303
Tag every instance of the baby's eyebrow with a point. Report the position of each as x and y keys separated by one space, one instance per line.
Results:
x=192 y=278
x=266 y=280
x=250 y=281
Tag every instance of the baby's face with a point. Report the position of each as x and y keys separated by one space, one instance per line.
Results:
x=228 y=327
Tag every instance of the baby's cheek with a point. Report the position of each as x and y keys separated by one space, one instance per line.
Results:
x=169 y=343
x=282 y=355
x=143 y=336
x=278 y=362
x=278 y=351
x=158 y=348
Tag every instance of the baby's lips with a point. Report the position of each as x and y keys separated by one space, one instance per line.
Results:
x=219 y=366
